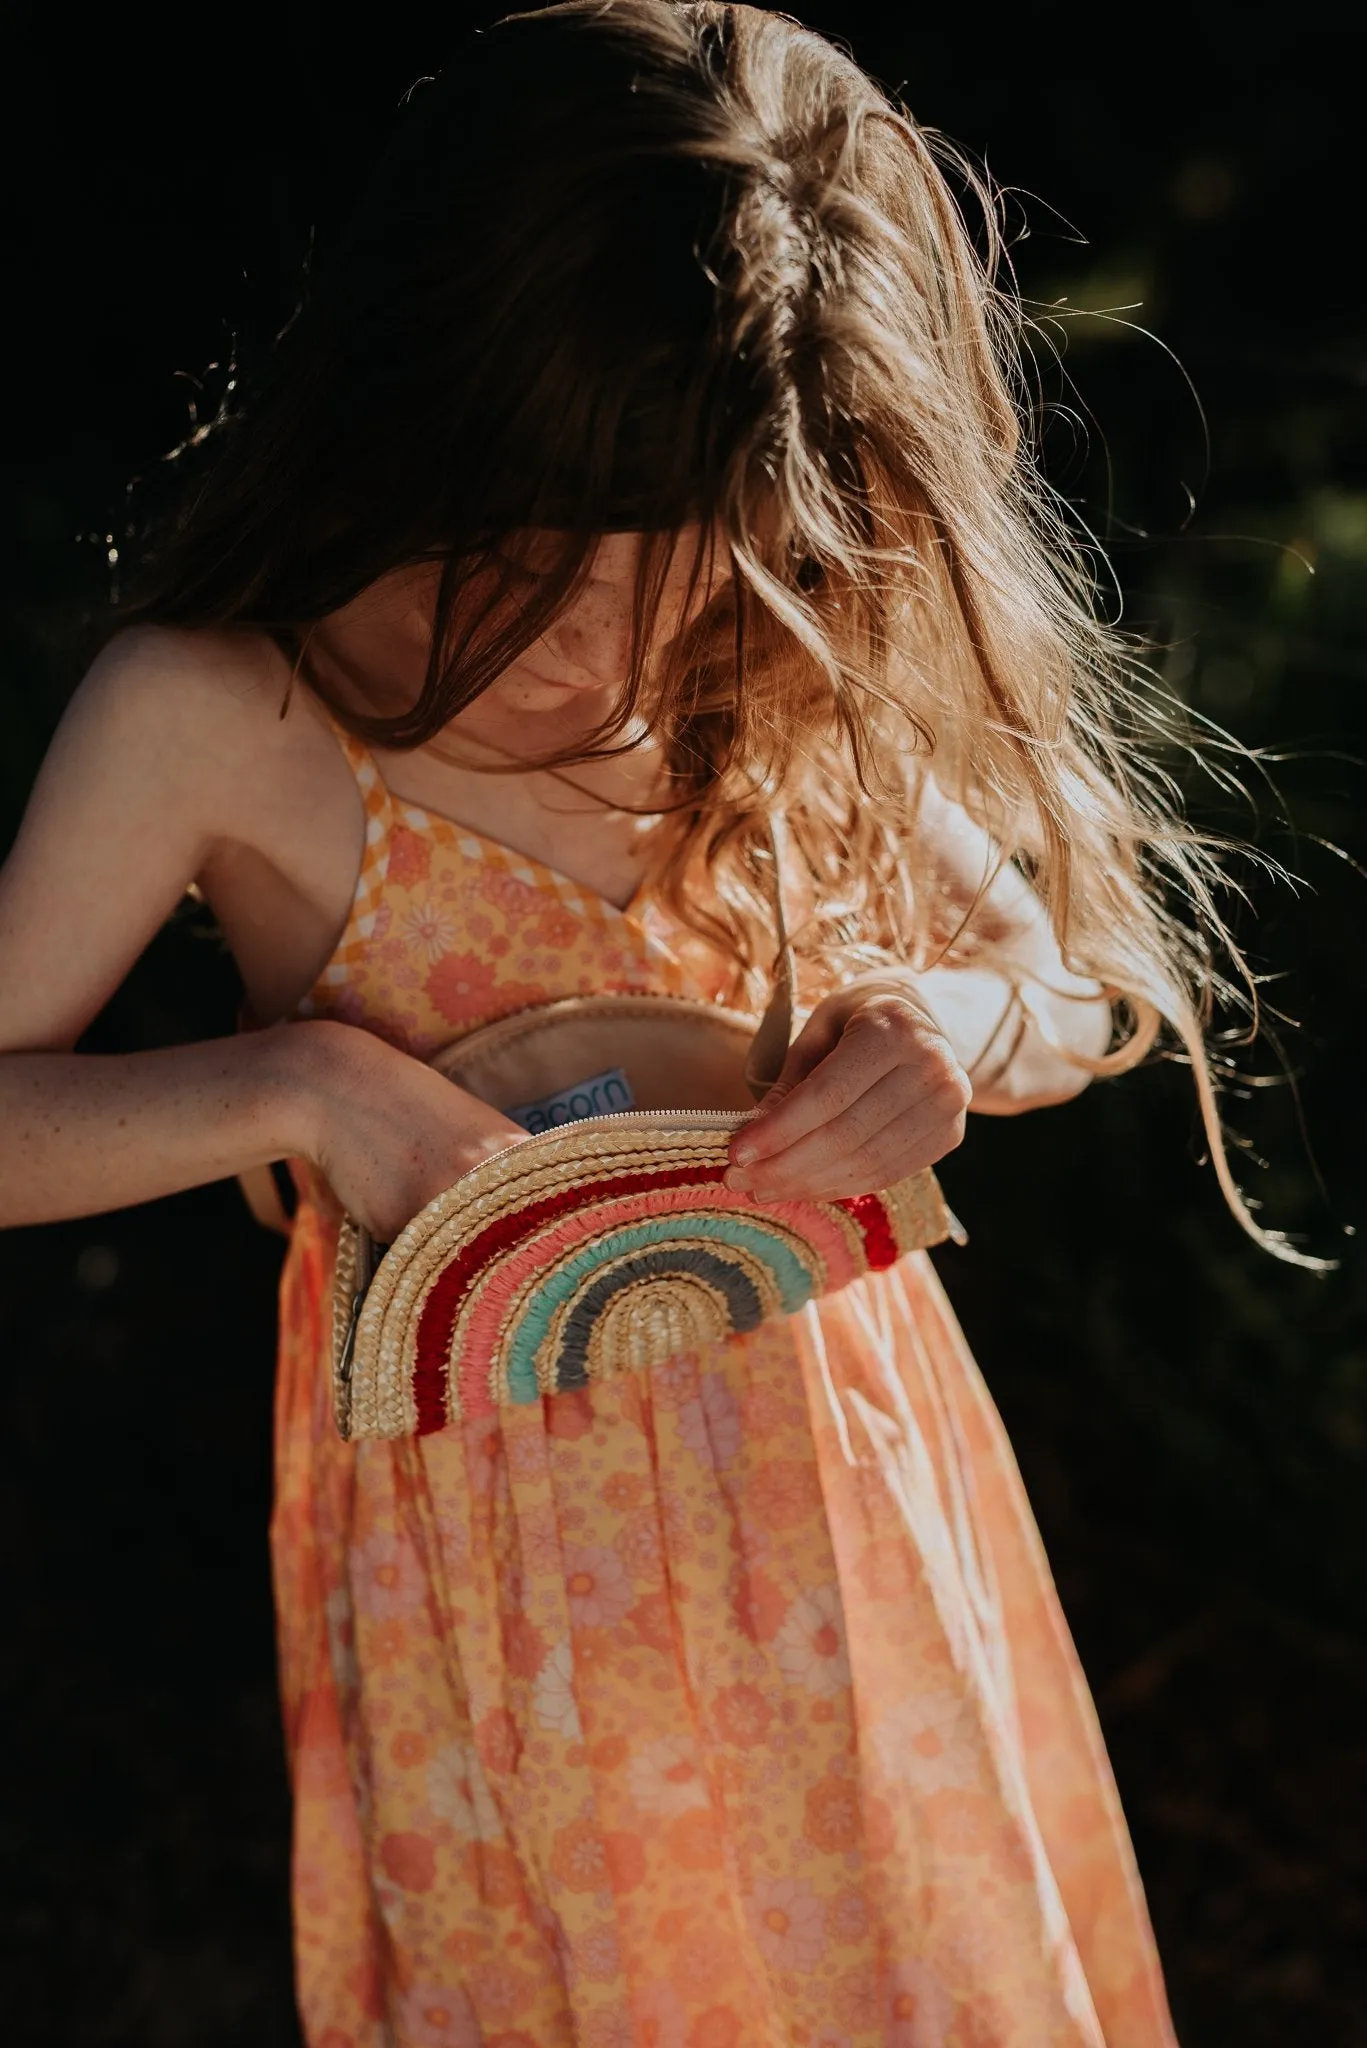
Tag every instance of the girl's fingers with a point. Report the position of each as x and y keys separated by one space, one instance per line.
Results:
x=833 y=1062
x=893 y=1130
x=818 y=1036
x=907 y=1145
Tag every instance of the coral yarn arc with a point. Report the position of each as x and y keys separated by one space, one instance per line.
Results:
x=437 y=1321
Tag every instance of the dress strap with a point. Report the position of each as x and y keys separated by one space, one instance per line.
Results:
x=370 y=880
x=375 y=795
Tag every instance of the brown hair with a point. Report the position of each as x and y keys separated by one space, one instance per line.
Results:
x=631 y=265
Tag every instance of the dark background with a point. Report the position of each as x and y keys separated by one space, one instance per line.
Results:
x=1189 y=1415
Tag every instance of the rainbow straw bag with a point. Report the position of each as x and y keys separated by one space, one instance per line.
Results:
x=605 y=1240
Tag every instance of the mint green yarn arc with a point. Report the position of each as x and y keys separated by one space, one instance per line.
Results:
x=795 y=1281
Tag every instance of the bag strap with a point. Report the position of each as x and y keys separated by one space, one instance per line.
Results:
x=769 y=1048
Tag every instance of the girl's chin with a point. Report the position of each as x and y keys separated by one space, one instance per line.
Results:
x=524 y=692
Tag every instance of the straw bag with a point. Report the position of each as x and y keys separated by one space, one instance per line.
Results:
x=605 y=1240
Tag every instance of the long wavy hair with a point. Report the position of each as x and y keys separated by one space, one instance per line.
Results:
x=633 y=266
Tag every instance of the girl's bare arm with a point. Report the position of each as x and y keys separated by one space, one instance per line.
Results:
x=1012 y=1031
x=87 y=1134
x=159 y=759
x=878 y=1082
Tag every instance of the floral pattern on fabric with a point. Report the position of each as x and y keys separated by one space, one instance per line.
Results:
x=726 y=1705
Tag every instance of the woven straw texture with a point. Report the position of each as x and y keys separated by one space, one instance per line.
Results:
x=595 y=1249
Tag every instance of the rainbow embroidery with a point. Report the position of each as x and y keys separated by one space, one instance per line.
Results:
x=591 y=1251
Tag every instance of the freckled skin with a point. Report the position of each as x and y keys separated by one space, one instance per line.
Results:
x=174 y=767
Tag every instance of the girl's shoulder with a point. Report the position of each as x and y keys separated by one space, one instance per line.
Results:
x=171 y=765
x=179 y=753
x=205 y=722
x=224 y=686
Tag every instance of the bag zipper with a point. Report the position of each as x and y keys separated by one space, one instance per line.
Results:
x=710 y=1117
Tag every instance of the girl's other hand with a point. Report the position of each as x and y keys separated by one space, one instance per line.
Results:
x=388 y=1133
x=871 y=1091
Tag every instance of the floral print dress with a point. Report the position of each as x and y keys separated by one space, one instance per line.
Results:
x=725 y=1705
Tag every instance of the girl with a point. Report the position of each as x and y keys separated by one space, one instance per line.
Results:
x=645 y=460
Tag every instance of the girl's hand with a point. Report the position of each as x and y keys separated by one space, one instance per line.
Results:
x=387 y=1132
x=871 y=1091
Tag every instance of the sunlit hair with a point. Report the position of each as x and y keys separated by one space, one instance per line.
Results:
x=633 y=267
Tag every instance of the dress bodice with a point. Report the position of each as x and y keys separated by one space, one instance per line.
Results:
x=449 y=930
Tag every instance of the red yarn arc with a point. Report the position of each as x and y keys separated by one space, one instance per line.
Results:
x=452 y=1285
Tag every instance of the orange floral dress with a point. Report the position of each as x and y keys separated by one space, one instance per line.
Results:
x=726 y=1705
